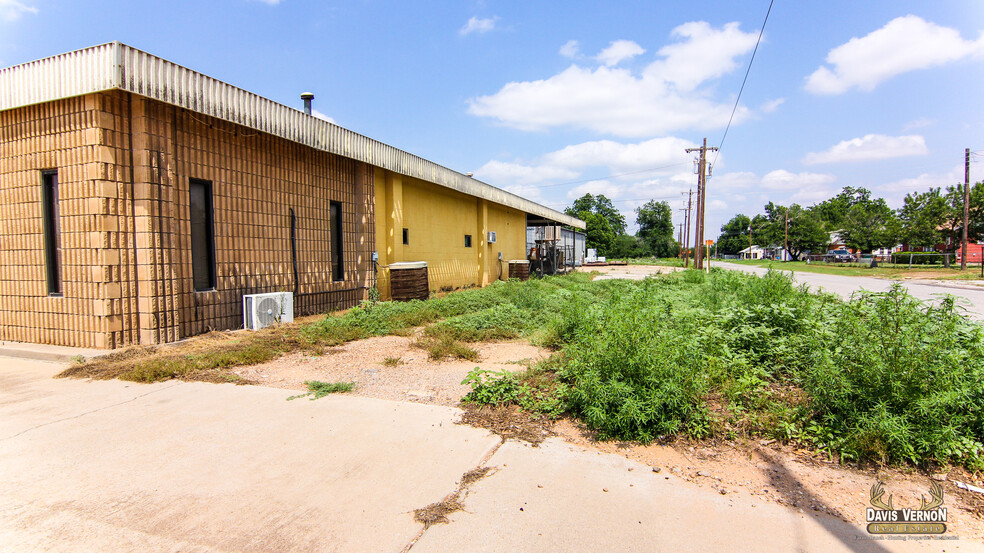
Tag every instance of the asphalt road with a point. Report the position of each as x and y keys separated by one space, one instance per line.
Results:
x=971 y=297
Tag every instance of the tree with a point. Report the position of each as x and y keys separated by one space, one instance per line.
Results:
x=924 y=217
x=806 y=232
x=734 y=235
x=953 y=228
x=628 y=246
x=833 y=211
x=598 y=233
x=772 y=234
x=759 y=226
x=870 y=224
x=584 y=203
x=602 y=206
x=655 y=220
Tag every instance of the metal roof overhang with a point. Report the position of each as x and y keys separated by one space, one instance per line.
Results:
x=117 y=66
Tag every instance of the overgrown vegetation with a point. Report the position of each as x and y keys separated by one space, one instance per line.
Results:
x=884 y=377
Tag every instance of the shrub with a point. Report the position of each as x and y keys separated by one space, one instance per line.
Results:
x=902 y=381
x=491 y=387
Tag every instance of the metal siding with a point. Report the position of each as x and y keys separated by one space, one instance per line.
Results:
x=116 y=65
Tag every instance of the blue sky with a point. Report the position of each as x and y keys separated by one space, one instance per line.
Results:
x=554 y=99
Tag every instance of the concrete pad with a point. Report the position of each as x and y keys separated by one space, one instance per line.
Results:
x=113 y=466
x=560 y=498
x=46 y=352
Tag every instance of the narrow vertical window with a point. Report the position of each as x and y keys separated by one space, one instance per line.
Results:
x=406 y=237
x=52 y=232
x=337 y=255
x=293 y=246
x=467 y=240
x=202 y=236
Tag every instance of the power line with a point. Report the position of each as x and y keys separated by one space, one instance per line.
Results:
x=740 y=90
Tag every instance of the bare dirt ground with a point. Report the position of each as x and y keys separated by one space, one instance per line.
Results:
x=631 y=272
x=389 y=367
x=753 y=471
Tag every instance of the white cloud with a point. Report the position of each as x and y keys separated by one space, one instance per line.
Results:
x=904 y=44
x=870 y=147
x=779 y=180
x=619 y=51
x=920 y=123
x=478 y=25
x=782 y=179
x=622 y=158
x=736 y=180
x=772 y=105
x=895 y=191
x=654 y=157
x=569 y=49
x=528 y=191
x=505 y=174
x=662 y=98
x=596 y=187
x=320 y=115
x=705 y=53
x=12 y=10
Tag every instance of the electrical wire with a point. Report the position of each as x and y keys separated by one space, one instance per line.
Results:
x=742 y=89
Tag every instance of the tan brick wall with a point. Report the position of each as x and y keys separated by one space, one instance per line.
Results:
x=256 y=179
x=78 y=139
x=124 y=217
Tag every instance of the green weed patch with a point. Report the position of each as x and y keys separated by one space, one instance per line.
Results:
x=882 y=378
x=318 y=389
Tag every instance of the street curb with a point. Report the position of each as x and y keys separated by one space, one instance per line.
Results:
x=42 y=352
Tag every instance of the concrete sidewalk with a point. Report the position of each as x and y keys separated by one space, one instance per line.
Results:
x=191 y=467
x=46 y=352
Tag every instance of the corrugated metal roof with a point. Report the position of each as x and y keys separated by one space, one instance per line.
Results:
x=116 y=65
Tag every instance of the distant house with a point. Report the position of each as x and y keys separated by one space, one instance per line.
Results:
x=752 y=252
x=779 y=254
x=835 y=241
x=975 y=253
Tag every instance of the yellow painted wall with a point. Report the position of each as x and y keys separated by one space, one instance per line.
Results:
x=437 y=220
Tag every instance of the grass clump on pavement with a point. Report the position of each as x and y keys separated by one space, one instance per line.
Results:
x=318 y=389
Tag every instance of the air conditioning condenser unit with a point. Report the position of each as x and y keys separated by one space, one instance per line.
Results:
x=263 y=310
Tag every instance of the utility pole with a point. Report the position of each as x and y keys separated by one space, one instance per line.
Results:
x=785 y=238
x=686 y=226
x=701 y=200
x=680 y=239
x=966 y=221
x=749 y=256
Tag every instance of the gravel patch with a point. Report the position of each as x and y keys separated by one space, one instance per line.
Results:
x=372 y=365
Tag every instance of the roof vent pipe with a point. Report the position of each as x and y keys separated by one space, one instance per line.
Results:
x=307 y=97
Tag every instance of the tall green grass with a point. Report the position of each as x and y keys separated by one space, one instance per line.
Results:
x=884 y=377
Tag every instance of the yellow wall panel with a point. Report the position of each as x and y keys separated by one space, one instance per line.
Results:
x=437 y=220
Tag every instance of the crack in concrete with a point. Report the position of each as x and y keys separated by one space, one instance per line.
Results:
x=80 y=415
x=454 y=499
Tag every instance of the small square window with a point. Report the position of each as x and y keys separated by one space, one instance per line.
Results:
x=467 y=240
x=406 y=237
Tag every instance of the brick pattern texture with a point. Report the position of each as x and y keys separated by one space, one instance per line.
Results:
x=124 y=165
